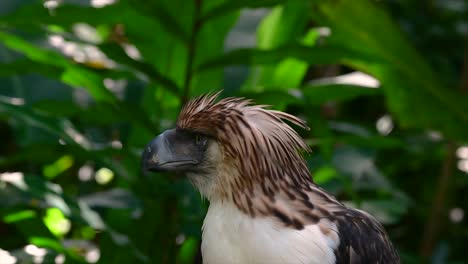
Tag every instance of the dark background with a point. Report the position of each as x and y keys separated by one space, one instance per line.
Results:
x=84 y=85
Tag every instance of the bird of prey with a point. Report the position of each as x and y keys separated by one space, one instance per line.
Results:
x=264 y=206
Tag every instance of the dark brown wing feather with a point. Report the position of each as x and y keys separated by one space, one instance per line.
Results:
x=363 y=240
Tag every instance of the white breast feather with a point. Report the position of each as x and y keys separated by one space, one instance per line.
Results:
x=230 y=236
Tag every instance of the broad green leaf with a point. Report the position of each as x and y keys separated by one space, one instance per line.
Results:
x=233 y=5
x=372 y=141
x=25 y=66
x=117 y=53
x=188 y=251
x=276 y=98
x=32 y=52
x=412 y=89
x=80 y=77
x=59 y=127
x=210 y=43
x=56 y=108
x=291 y=72
x=386 y=211
x=63 y=129
x=159 y=11
x=311 y=55
x=113 y=198
x=72 y=74
x=131 y=14
x=284 y=25
x=322 y=93
x=324 y=175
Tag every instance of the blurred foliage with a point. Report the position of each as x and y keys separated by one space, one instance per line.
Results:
x=86 y=84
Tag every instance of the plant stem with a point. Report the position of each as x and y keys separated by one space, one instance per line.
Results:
x=437 y=214
x=171 y=205
x=191 y=51
x=464 y=82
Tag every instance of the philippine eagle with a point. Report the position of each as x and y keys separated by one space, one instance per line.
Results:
x=264 y=206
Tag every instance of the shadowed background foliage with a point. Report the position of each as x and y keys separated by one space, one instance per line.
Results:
x=85 y=84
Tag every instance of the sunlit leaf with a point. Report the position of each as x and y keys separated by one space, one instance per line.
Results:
x=19 y=216
x=324 y=174
x=283 y=26
x=188 y=250
x=57 y=223
x=46 y=243
x=59 y=166
x=104 y=176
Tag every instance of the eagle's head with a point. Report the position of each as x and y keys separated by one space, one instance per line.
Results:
x=231 y=147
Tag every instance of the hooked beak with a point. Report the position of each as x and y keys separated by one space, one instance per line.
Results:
x=170 y=151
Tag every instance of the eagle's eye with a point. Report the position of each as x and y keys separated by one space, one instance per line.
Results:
x=200 y=140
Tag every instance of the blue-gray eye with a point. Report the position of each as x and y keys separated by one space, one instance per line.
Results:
x=197 y=139
x=200 y=139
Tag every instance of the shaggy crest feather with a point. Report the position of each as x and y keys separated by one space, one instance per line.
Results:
x=268 y=146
